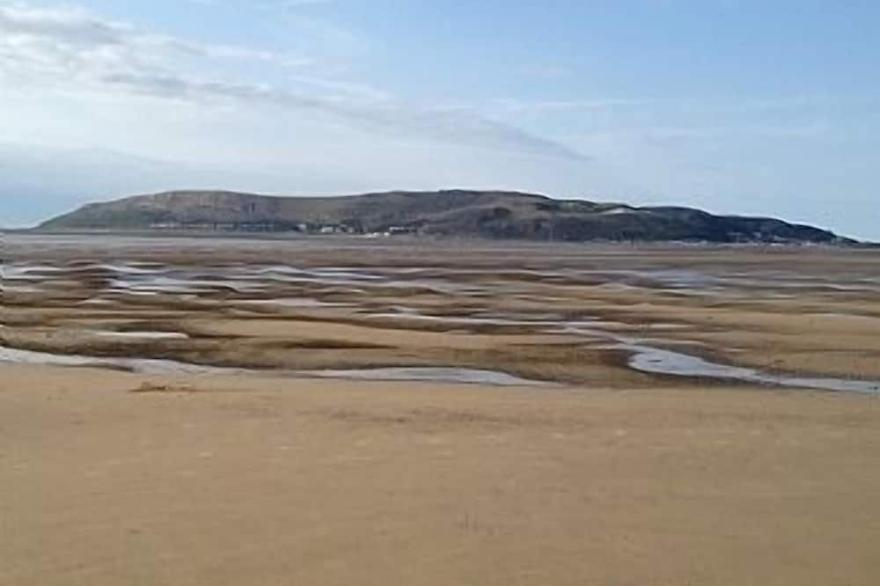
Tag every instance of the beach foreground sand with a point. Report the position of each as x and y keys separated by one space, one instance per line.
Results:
x=626 y=439
x=111 y=478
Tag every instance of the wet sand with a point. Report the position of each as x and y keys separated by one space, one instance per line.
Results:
x=574 y=315
x=603 y=449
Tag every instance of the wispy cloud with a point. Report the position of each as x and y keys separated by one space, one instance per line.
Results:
x=72 y=48
x=41 y=42
x=720 y=104
x=453 y=126
x=266 y=4
x=516 y=106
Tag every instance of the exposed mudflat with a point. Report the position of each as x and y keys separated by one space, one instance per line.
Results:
x=565 y=314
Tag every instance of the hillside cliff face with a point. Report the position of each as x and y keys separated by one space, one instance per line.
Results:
x=457 y=213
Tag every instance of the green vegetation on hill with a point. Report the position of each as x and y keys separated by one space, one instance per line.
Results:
x=461 y=213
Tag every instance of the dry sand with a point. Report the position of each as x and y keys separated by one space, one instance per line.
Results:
x=114 y=479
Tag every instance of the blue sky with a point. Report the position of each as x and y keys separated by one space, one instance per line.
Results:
x=736 y=106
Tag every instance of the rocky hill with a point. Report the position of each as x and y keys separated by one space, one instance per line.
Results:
x=458 y=213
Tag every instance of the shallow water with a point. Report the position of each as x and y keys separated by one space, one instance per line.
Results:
x=406 y=313
x=26 y=272
x=655 y=360
x=303 y=302
x=172 y=367
x=143 y=335
x=658 y=361
x=19 y=289
x=431 y=374
x=137 y=365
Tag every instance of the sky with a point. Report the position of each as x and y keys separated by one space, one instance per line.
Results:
x=734 y=106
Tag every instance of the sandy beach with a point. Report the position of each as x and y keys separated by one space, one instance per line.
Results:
x=228 y=459
x=261 y=481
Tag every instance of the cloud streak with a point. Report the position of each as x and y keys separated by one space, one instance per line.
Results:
x=72 y=49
